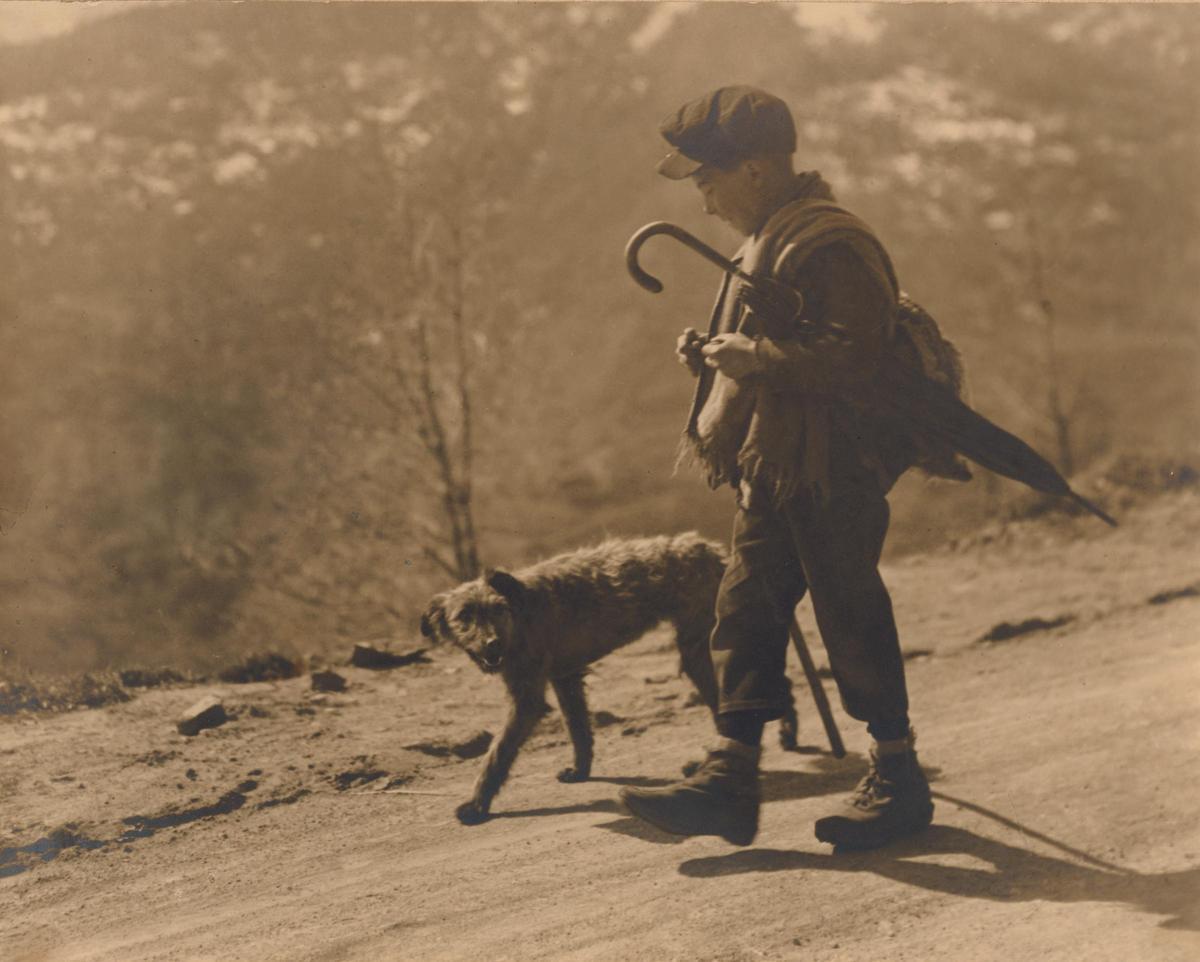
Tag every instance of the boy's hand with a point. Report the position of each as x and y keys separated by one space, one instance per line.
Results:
x=734 y=355
x=687 y=349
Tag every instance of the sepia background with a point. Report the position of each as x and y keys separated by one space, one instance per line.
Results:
x=310 y=310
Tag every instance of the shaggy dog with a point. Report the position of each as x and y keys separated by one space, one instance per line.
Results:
x=547 y=623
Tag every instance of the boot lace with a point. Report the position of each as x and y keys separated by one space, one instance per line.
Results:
x=869 y=789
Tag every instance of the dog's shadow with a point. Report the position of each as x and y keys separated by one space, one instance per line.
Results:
x=638 y=781
x=607 y=806
x=597 y=805
x=625 y=825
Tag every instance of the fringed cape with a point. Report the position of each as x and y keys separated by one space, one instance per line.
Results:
x=746 y=431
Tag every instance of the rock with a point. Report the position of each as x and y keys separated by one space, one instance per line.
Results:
x=602 y=719
x=1006 y=631
x=657 y=679
x=264 y=666
x=96 y=691
x=1163 y=597
x=208 y=712
x=289 y=799
x=156 y=758
x=368 y=656
x=472 y=747
x=357 y=776
x=328 y=681
x=435 y=748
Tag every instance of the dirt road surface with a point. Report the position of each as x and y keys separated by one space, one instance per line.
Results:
x=1064 y=762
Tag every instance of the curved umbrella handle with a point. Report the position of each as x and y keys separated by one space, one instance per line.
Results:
x=652 y=283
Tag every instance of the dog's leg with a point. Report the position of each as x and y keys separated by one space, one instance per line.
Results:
x=789 y=726
x=524 y=714
x=573 y=702
x=695 y=660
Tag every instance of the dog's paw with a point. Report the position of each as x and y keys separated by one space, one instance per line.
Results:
x=574 y=775
x=469 y=813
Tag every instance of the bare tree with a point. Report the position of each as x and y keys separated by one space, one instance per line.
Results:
x=442 y=398
x=406 y=338
x=1056 y=409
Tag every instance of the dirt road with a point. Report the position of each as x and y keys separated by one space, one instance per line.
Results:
x=1064 y=761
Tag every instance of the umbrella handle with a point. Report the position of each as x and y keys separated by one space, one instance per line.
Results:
x=652 y=283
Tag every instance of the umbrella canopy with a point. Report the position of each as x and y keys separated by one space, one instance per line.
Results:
x=909 y=395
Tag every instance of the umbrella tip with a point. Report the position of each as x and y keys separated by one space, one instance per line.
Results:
x=1095 y=509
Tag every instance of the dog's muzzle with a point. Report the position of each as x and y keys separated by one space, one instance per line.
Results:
x=492 y=654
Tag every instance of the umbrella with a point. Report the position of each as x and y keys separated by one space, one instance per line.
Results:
x=906 y=393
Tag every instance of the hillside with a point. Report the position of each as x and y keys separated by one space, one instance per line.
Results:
x=237 y=232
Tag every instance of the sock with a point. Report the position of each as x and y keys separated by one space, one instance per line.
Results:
x=742 y=726
x=889 y=729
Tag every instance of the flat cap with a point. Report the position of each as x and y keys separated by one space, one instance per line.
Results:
x=724 y=127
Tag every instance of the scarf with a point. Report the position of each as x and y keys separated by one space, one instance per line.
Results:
x=746 y=432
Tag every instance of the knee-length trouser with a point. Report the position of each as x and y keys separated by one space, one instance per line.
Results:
x=830 y=549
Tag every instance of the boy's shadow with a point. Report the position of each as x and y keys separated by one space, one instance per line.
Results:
x=1016 y=874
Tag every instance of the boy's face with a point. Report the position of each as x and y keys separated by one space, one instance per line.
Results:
x=732 y=195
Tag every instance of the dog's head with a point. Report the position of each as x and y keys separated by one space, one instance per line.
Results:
x=479 y=616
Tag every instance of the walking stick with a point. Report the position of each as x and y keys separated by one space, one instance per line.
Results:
x=818 y=690
x=789 y=305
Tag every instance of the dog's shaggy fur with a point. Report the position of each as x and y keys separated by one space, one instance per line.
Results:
x=548 y=622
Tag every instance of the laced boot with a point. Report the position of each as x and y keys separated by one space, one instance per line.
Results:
x=720 y=798
x=892 y=801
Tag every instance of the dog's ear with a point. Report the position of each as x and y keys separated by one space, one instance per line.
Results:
x=430 y=616
x=505 y=584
